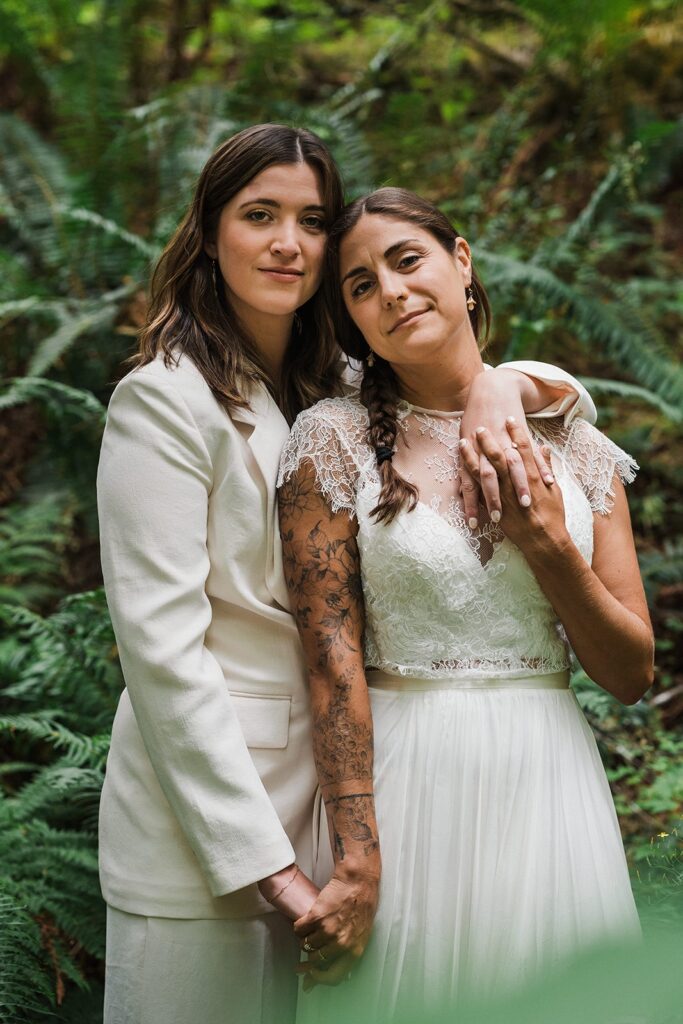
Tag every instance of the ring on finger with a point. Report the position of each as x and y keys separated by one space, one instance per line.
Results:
x=307 y=947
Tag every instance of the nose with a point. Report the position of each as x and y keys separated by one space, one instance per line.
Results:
x=393 y=289
x=286 y=241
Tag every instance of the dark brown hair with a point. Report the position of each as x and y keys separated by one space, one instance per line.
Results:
x=379 y=387
x=187 y=313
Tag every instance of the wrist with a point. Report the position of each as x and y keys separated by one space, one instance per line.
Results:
x=359 y=869
x=274 y=885
x=557 y=550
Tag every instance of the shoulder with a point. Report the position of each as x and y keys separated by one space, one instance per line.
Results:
x=178 y=378
x=330 y=437
x=172 y=397
x=342 y=415
x=592 y=457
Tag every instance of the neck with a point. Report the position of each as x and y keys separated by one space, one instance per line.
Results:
x=271 y=334
x=445 y=385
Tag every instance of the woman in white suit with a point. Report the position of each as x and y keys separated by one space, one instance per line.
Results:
x=206 y=822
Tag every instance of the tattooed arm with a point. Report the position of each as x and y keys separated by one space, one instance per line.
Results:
x=323 y=576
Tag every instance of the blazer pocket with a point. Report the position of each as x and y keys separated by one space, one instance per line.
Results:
x=264 y=720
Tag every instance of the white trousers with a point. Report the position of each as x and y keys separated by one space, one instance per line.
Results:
x=170 y=971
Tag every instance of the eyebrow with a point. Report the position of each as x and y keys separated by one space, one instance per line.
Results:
x=387 y=253
x=277 y=206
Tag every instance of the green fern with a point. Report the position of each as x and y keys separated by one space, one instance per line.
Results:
x=616 y=330
x=598 y=385
x=25 y=984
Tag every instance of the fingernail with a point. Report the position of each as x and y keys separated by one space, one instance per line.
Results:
x=495 y=516
x=511 y=419
x=480 y=430
x=473 y=523
x=525 y=501
x=462 y=442
x=549 y=479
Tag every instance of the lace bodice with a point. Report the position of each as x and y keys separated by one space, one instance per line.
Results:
x=441 y=599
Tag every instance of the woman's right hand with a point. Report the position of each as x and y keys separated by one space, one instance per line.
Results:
x=290 y=891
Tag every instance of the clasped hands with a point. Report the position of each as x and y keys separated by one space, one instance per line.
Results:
x=336 y=929
x=333 y=924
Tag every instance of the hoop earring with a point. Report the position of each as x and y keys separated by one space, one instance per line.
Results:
x=471 y=301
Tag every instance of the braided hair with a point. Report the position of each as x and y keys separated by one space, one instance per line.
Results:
x=379 y=395
x=379 y=390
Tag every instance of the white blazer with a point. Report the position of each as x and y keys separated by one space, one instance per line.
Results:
x=210 y=780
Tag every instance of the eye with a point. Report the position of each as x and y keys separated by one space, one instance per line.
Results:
x=258 y=216
x=314 y=222
x=360 y=289
x=408 y=261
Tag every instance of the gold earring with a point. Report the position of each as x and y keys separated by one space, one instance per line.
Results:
x=471 y=301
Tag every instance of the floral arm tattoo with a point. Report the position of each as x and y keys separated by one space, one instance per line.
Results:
x=322 y=569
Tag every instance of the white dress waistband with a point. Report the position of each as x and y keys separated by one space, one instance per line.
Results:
x=380 y=680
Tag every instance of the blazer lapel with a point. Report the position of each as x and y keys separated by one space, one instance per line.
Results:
x=266 y=441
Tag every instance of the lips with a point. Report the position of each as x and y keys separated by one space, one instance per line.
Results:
x=284 y=272
x=407 y=319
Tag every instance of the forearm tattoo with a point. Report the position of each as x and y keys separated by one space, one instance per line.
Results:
x=322 y=570
x=352 y=821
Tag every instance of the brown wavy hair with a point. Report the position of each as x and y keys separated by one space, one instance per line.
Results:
x=188 y=314
x=379 y=387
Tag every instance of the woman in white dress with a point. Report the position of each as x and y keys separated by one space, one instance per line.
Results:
x=500 y=847
x=205 y=821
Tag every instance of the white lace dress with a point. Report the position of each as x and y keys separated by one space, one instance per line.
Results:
x=500 y=845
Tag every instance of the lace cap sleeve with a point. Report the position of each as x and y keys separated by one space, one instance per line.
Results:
x=330 y=437
x=593 y=459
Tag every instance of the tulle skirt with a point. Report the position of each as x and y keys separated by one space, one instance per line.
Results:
x=501 y=851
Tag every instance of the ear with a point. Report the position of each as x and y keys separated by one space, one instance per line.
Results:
x=462 y=257
x=211 y=250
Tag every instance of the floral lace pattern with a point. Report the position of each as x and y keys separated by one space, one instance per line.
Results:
x=441 y=599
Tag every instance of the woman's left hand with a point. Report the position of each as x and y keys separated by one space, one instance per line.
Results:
x=494 y=396
x=539 y=521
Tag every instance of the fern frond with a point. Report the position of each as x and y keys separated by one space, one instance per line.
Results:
x=108 y=227
x=59 y=398
x=597 y=385
x=25 y=985
x=45 y=726
x=617 y=331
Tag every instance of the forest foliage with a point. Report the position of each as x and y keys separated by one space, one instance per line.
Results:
x=552 y=136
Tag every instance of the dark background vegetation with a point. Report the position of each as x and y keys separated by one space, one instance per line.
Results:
x=550 y=132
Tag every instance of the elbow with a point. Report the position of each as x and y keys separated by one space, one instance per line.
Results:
x=638 y=680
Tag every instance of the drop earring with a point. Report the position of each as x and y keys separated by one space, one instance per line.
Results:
x=213 y=277
x=370 y=359
x=471 y=301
